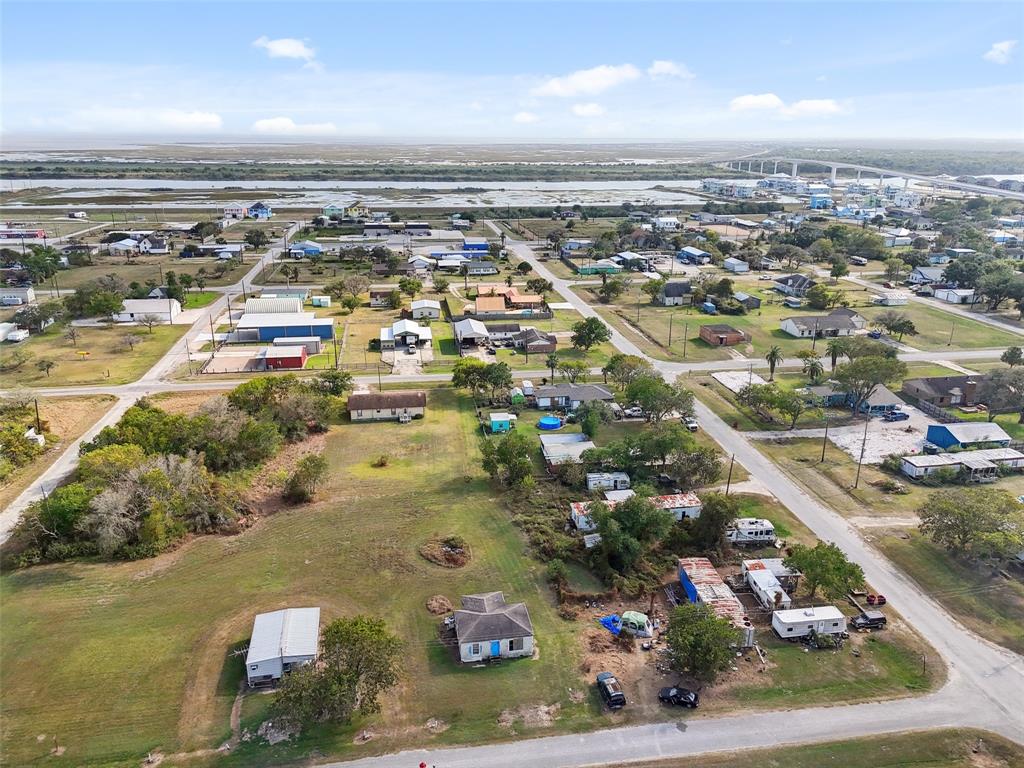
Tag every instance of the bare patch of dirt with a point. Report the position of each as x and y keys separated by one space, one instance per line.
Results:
x=529 y=716
x=184 y=402
x=439 y=605
x=153 y=759
x=275 y=733
x=362 y=737
x=447 y=551
x=435 y=726
x=263 y=494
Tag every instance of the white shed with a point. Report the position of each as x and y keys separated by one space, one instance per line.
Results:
x=281 y=640
x=426 y=308
x=800 y=622
x=133 y=309
x=266 y=305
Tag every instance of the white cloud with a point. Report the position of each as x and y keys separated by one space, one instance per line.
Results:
x=286 y=48
x=285 y=126
x=588 y=82
x=821 y=78
x=662 y=68
x=588 y=110
x=122 y=120
x=1001 y=52
x=525 y=118
x=755 y=101
x=770 y=103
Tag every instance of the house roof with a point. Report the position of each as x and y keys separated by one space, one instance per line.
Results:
x=490 y=303
x=936 y=386
x=580 y=392
x=370 y=401
x=531 y=336
x=503 y=328
x=690 y=250
x=720 y=328
x=976 y=432
x=810 y=615
x=833 y=322
x=930 y=273
x=256 y=320
x=426 y=304
x=141 y=306
x=284 y=633
x=485 y=617
x=676 y=289
x=410 y=326
x=472 y=329
x=796 y=281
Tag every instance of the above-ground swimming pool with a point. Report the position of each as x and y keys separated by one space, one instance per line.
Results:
x=549 y=422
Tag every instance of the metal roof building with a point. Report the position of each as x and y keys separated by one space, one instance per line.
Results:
x=702 y=584
x=280 y=641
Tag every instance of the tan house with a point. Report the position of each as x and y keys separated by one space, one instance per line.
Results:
x=387 y=406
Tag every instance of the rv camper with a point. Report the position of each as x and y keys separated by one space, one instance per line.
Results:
x=800 y=622
x=751 y=531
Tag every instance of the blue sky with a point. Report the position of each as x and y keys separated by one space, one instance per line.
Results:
x=492 y=70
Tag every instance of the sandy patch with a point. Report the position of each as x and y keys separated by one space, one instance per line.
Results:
x=183 y=402
x=529 y=716
x=435 y=726
x=734 y=381
x=439 y=605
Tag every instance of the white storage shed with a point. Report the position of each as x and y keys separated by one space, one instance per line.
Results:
x=281 y=640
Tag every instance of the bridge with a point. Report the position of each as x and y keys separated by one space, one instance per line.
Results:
x=794 y=163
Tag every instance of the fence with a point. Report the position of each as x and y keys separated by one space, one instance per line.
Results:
x=938 y=413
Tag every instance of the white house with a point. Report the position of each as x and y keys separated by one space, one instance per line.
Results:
x=400 y=405
x=800 y=622
x=736 y=265
x=891 y=299
x=236 y=211
x=680 y=505
x=925 y=275
x=281 y=641
x=665 y=224
x=153 y=244
x=133 y=309
x=426 y=308
x=13 y=295
x=405 y=333
x=487 y=627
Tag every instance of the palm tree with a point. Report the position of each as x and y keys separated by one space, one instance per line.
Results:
x=813 y=368
x=834 y=348
x=552 y=363
x=774 y=357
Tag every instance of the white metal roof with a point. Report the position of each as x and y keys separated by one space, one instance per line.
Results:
x=157 y=306
x=281 y=351
x=288 y=632
x=976 y=432
x=424 y=303
x=818 y=613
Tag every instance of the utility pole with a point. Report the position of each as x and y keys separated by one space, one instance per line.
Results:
x=863 y=446
x=380 y=386
x=671 y=317
x=728 y=480
x=686 y=334
x=951 y=329
x=39 y=424
x=824 y=440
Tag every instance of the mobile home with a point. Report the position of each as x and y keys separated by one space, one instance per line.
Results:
x=800 y=622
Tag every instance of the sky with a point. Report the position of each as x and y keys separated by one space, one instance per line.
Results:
x=600 y=71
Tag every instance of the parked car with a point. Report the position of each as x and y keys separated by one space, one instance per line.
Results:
x=896 y=416
x=930 y=448
x=679 y=697
x=765 y=277
x=611 y=690
x=690 y=423
x=633 y=412
x=877 y=600
x=410 y=350
x=876 y=334
x=869 y=620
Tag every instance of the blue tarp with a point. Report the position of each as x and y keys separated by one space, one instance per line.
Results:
x=612 y=623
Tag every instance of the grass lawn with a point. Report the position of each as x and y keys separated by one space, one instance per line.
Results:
x=66 y=418
x=145 y=268
x=1010 y=422
x=174 y=620
x=591 y=228
x=987 y=603
x=953 y=748
x=197 y=299
x=934 y=326
x=109 y=360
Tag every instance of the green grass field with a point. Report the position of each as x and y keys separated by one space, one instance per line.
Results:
x=109 y=360
x=928 y=749
x=986 y=602
x=146 y=268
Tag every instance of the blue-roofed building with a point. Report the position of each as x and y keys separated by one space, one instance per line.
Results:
x=259 y=211
x=820 y=202
x=693 y=255
x=971 y=434
x=477 y=244
x=264 y=327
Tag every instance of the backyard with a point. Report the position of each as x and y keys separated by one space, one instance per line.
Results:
x=143 y=268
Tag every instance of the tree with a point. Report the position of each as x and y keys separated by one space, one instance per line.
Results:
x=629 y=530
x=1012 y=356
x=773 y=357
x=978 y=522
x=840 y=267
x=256 y=238
x=334 y=382
x=812 y=365
x=508 y=459
x=130 y=340
x=835 y=347
x=861 y=377
x=896 y=323
x=997 y=282
x=441 y=284
x=359 y=660
x=1003 y=392
x=149 y=320
x=36 y=316
x=410 y=286
x=551 y=361
x=59 y=514
x=822 y=249
x=820 y=297
x=965 y=271
x=72 y=334
x=699 y=642
x=623 y=369
x=658 y=398
x=524 y=268
x=536 y=285
x=589 y=333
x=497 y=376
x=867 y=245
x=105 y=466
x=395 y=300
x=592 y=415
x=353 y=285
x=717 y=514
x=468 y=373
x=825 y=567
x=573 y=370
x=186 y=281
x=653 y=288
x=856 y=347
x=308 y=474
x=46 y=366
x=612 y=289
x=791 y=405
x=894 y=268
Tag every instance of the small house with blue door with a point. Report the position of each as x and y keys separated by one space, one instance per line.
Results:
x=972 y=434
x=486 y=627
x=261 y=327
x=502 y=422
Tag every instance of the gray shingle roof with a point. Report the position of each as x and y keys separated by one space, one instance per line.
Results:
x=676 y=289
x=580 y=392
x=485 y=617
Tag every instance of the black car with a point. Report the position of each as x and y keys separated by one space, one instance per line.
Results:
x=869 y=620
x=679 y=697
x=611 y=690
